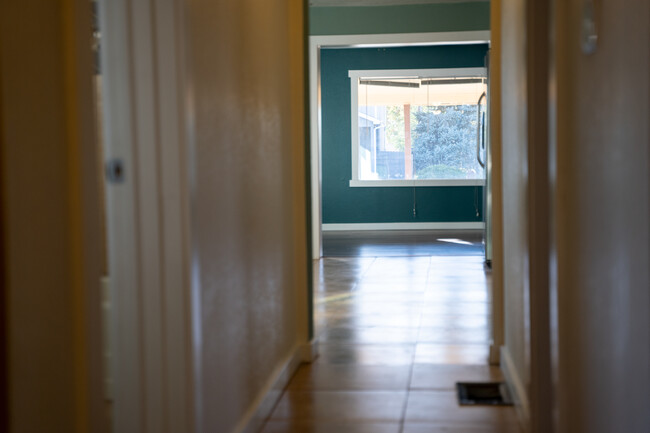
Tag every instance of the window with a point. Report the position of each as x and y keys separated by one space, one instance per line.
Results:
x=417 y=127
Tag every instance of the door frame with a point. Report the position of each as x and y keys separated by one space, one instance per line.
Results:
x=145 y=130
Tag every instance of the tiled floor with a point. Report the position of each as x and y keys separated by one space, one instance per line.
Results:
x=395 y=334
x=413 y=243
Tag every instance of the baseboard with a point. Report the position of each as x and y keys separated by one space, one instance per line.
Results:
x=107 y=305
x=263 y=405
x=404 y=226
x=517 y=388
x=495 y=355
x=309 y=351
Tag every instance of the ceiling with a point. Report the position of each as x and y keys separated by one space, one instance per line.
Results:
x=380 y=2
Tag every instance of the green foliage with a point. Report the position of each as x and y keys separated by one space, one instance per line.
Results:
x=444 y=142
x=441 y=172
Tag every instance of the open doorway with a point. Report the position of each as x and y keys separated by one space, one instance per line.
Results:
x=344 y=202
x=398 y=305
x=394 y=309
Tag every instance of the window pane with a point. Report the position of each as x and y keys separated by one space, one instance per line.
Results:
x=436 y=139
x=444 y=142
x=381 y=142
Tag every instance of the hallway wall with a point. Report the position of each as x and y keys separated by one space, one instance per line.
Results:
x=602 y=194
x=248 y=239
x=599 y=177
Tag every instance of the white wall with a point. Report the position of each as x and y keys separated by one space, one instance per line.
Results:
x=245 y=82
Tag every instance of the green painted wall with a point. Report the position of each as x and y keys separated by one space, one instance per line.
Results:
x=439 y=17
x=342 y=204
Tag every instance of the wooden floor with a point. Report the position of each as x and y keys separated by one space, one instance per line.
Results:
x=395 y=333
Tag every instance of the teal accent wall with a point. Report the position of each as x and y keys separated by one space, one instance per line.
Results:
x=437 y=17
x=343 y=204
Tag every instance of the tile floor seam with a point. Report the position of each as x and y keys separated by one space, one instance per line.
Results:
x=365 y=271
x=417 y=339
x=410 y=379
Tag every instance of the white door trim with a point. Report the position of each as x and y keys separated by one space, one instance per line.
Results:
x=358 y=41
x=147 y=215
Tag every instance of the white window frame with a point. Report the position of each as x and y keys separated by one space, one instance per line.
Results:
x=414 y=73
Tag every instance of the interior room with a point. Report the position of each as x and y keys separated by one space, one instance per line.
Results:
x=262 y=216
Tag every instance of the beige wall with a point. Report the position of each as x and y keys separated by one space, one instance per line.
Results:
x=599 y=176
x=245 y=76
x=602 y=326
x=51 y=218
x=514 y=153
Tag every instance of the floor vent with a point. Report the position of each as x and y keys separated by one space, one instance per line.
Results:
x=483 y=394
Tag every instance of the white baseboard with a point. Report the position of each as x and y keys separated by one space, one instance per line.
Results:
x=495 y=355
x=517 y=388
x=263 y=405
x=309 y=351
x=107 y=305
x=404 y=226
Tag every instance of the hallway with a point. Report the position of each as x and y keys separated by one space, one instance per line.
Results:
x=395 y=332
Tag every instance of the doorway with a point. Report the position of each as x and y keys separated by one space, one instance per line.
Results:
x=321 y=221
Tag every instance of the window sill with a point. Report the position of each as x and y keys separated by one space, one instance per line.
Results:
x=416 y=183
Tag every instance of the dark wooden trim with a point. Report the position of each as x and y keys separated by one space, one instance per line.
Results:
x=539 y=215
